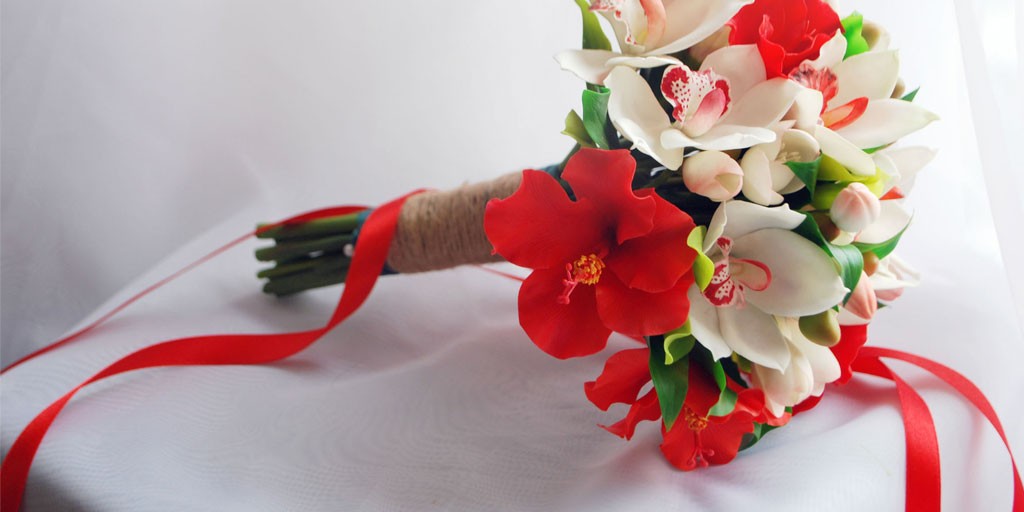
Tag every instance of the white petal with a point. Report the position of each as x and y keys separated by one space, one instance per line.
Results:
x=843 y=151
x=764 y=104
x=723 y=137
x=757 y=178
x=753 y=334
x=894 y=217
x=885 y=121
x=740 y=64
x=909 y=161
x=871 y=75
x=635 y=112
x=806 y=109
x=804 y=279
x=846 y=318
x=831 y=53
x=687 y=22
x=589 y=65
x=704 y=324
x=643 y=62
x=716 y=227
x=742 y=218
x=785 y=389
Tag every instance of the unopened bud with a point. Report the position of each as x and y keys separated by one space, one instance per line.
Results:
x=855 y=208
x=863 y=301
x=713 y=174
x=822 y=328
x=870 y=263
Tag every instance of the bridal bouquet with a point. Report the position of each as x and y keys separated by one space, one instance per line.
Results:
x=732 y=202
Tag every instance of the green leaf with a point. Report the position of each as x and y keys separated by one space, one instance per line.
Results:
x=703 y=267
x=593 y=34
x=670 y=381
x=911 y=95
x=595 y=117
x=727 y=397
x=882 y=249
x=678 y=343
x=853 y=27
x=848 y=257
x=806 y=172
x=725 y=405
x=574 y=128
x=760 y=429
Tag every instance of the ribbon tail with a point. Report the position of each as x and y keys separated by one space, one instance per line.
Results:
x=247 y=349
x=965 y=387
x=924 y=479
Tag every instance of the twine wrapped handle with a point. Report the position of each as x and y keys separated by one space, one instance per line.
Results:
x=445 y=229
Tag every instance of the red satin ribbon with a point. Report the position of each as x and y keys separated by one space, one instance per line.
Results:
x=367 y=263
x=923 y=475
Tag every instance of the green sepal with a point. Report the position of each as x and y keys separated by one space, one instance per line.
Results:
x=881 y=249
x=593 y=35
x=853 y=27
x=574 y=128
x=848 y=257
x=806 y=172
x=678 y=344
x=670 y=381
x=595 y=117
x=703 y=267
x=910 y=95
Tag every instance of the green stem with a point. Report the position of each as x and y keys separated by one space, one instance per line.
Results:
x=284 y=268
x=296 y=283
x=290 y=250
x=341 y=224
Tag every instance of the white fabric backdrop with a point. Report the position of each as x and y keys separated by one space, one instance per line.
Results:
x=134 y=130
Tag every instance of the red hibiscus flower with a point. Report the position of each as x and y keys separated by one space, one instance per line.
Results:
x=612 y=260
x=787 y=32
x=696 y=439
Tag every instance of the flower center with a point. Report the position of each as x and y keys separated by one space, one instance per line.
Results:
x=697 y=424
x=822 y=80
x=699 y=98
x=733 y=276
x=585 y=270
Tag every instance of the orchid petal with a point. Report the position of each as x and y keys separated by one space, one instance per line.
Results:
x=908 y=161
x=641 y=62
x=843 y=151
x=757 y=178
x=741 y=65
x=804 y=278
x=871 y=75
x=764 y=104
x=893 y=219
x=742 y=218
x=636 y=113
x=806 y=109
x=688 y=22
x=831 y=53
x=886 y=121
x=590 y=65
x=723 y=137
x=704 y=324
x=753 y=334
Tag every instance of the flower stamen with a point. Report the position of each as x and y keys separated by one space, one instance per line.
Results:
x=585 y=270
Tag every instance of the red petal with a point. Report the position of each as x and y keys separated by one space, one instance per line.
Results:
x=851 y=340
x=722 y=440
x=540 y=227
x=678 y=446
x=771 y=53
x=845 y=115
x=625 y=373
x=656 y=262
x=646 y=408
x=561 y=330
x=606 y=179
x=638 y=313
x=702 y=391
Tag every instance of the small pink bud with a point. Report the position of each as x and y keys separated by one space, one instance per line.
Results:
x=713 y=174
x=855 y=208
x=863 y=301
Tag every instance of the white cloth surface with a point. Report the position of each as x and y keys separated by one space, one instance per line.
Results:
x=130 y=128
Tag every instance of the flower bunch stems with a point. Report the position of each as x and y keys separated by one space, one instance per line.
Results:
x=310 y=255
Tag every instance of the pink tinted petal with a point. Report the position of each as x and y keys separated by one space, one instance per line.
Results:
x=752 y=274
x=605 y=178
x=540 y=227
x=638 y=313
x=655 y=262
x=646 y=408
x=708 y=113
x=625 y=373
x=561 y=330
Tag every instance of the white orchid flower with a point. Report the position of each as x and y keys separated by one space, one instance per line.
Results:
x=647 y=31
x=811 y=367
x=765 y=174
x=847 y=104
x=726 y=104
x=762 y=269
